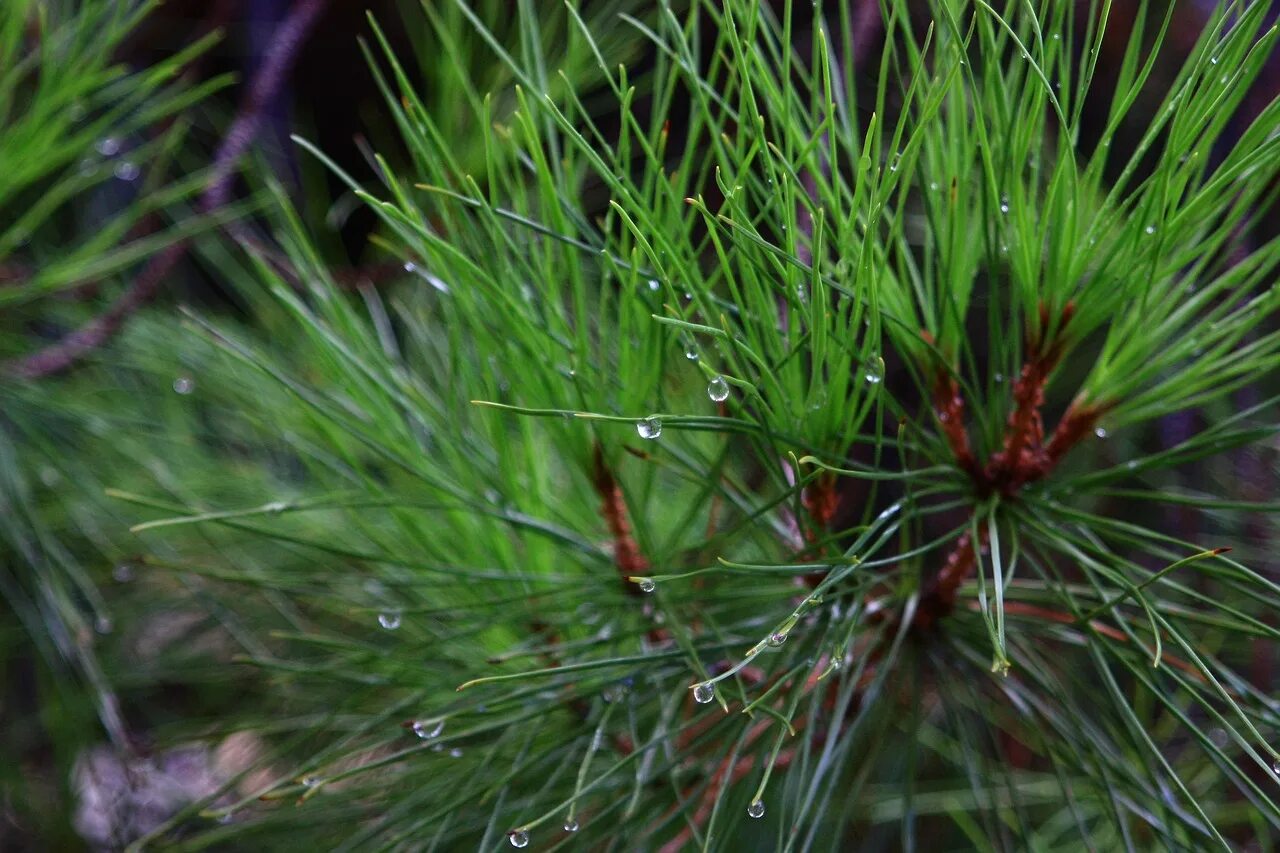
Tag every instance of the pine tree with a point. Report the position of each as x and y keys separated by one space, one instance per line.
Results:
x=760 y=448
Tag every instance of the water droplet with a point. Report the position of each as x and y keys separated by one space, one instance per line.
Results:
x=1056 y=37
x=653 y=284
x=933 y=185
x=718 y=389
x=999 y=378
x=1213 y=60
x=1100 y=432
x=756 y=809
x=1131 y=464
x=688 y=297
x=518 y=838
x=691 y=351
x=893 y=163
x=122 y=573
x=108 y=146
x=184 y=385
x=1219 y=737
x=649 y=428
x=390 y=621
x=1275 y=767
x=310 y=781
x=875 y=370
x=1004 y=250
x=1150 y=229
x=1004 y=204
x=103 y=625
x=704 y=693
x=647 y=584
x=777 y=638
x=427 y=729
x=410 y=266
x=571 y=825
x=456 y=752
x=127 y=170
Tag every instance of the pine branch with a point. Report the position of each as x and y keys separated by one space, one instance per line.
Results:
x=266 y=83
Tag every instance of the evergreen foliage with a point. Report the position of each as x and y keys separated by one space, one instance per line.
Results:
x=762 y=432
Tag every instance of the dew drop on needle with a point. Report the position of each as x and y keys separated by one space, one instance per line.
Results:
x=649 y=428
x=718 y=389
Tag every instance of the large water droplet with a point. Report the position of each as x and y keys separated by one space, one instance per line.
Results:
x=108 y=146
x=704 y=693
x=653 y=284
x=875 y=370
x=646 y=584
x=571 y=825
x=1100 y=432
x=127 y=170
x=1150 y=229
x=777 y=638
x=389 y=620
x=518 y=838
x=756 y=809
x=718 y=389
x=649 y=428
x=184 y=385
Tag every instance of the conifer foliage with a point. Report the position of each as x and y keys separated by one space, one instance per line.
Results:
x=777 y=439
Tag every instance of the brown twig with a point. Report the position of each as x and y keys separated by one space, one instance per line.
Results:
x=271 y=75
x=1023 y=457
x=626 y=553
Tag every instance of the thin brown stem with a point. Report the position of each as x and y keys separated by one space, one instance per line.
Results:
x=271 y=75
